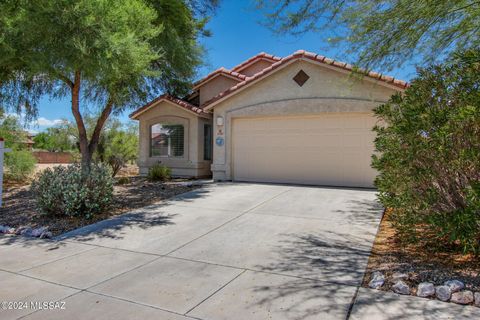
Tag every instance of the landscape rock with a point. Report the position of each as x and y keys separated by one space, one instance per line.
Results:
x=26 y=232
x=378 y=279
x=477 y=299
x=443 y=293
x=455 y=285
x=38 y=232
x=399 y=276
x=425 y=289
x=401 y=287
x=46 y=235
x=4 y=229
x=462 y=297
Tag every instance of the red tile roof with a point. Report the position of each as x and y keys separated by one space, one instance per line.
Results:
x=167 y=97
x=302 y=54
x=244 y=80
x=221 y=71
x=260 y=56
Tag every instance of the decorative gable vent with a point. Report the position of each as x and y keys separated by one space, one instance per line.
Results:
x=301 y=77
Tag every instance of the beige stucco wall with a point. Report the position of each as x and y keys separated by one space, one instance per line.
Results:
x=192 y=163
x=327 y=90
x=214 y=87
x=255 y=67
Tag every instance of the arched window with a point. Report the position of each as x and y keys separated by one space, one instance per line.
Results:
x=166 y=140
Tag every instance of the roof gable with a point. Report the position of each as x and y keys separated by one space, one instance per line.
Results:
x=261 y=56
x=174 y=101
x=309 y=57
x=221 y=72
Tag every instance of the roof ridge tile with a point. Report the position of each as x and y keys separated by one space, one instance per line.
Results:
x=168 y=97
x=311 y=56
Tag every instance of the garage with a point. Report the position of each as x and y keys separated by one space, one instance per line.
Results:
x=331 y=149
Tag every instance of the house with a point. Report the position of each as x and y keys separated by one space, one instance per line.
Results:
x=298 y=119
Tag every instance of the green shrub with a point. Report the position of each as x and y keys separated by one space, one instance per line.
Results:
x=19 y=165
x=429 y=156
x=123 y=180
x=73 y=191
x=159 y=172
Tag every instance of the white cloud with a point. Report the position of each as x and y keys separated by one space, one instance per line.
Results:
x=44 y=122
x=40 y=123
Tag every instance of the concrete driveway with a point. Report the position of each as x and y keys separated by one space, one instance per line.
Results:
x=226 y=251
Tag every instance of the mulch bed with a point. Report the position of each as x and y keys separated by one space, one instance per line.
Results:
x=19 y=207
x=389 y=255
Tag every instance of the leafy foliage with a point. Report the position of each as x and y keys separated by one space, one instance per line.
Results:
x=56 y=139
x=109 y=54
x=19 y=163
x=159 y=172
x=118 y=145
x=429 y=162
x=73 y=191
x=382 y=33
x=123 y=180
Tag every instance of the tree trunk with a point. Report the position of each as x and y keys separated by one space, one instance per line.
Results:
x=87 y=148
x=92 y=147
x=82 y=132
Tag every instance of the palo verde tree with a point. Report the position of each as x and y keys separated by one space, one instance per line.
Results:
x=382 y=33
x=107 y=54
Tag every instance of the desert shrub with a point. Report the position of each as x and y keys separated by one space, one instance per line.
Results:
x=118 y=145
x=19 y=165
x=159 y=172
x=429 y=156
x=123 y=180
x=74 y=191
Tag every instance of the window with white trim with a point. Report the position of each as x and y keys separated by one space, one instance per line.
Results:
x=166 y=140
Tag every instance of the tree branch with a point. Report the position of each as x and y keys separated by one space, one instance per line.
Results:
x=82 y=132
x=65 y=79
x=99 y=125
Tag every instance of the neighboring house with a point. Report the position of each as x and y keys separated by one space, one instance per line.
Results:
x=298 y=119
x=29 y=141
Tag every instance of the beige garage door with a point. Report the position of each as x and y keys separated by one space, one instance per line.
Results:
x=333 y=149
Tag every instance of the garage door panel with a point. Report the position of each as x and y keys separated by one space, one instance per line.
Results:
x=333 y=149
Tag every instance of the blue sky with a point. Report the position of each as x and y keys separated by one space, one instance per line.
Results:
x=237 y=35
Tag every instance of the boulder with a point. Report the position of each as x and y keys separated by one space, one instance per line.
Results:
x=443 y=293
x=401 y=287
x=455 y=285
x=425 y=289
x=378 y=279
x=462 y=297
x=46 y=235
x=26 y=232
x=38 y=232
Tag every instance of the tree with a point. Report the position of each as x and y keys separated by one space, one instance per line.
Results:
x=12 y=132
x=20 y=163
x=59 y=138
x=429 y=155
x=118 y=145
x=382 y=33
x=112 y=54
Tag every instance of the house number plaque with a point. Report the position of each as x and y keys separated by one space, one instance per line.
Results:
x=219 y=141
